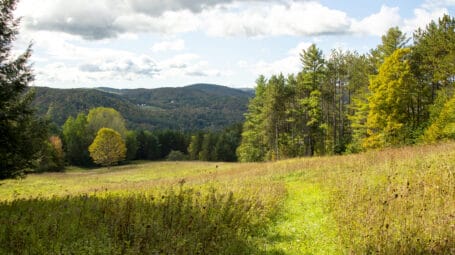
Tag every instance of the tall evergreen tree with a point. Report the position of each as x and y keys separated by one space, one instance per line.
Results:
x=253 y=146
x=20 y=139
x=394 y=39
x=311 y=79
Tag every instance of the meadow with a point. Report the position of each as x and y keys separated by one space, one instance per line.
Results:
x=395 y=201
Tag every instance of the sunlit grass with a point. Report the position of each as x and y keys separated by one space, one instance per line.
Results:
x=397 y=201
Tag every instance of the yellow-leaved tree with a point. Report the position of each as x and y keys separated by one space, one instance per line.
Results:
x=108 y=148
x=444 y=126
x=393 y=103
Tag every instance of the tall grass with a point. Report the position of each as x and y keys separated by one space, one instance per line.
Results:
x=397 y=201
x=173 y=222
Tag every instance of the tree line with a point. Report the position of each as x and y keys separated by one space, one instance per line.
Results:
x=400 y=93
x=81 y=133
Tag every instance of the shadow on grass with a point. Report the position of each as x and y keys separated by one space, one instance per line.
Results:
x=182 y=222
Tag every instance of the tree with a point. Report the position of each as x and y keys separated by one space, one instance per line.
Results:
x=195 y=145
x=148 y=146
x=310 y=84
x=132 y=145
x=207 y=152
x=52 y=158
x=76 y=140
x=102 y=117
x=108 y=147
x=444 y=126
x=392 y=104
x=253 y=146
x=394 y=39
x=19 y=138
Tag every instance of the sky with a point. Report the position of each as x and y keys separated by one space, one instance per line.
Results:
x=173 y=43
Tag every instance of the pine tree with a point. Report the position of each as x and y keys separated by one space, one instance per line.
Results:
x=20 y=142
x=253 y=146
x=108 y=147
x=311 y=79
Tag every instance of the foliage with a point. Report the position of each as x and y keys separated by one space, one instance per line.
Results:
x=172 y=140
x=108 y=147
x=103 y=117
x=392 y=105
x=195 y=145
x=215 y=146
x=252 y=147
x=76 y=140
x=176 y=156
x=148 y=146
x=444 y=126
x=132 y=145
x=21 y=142
x=197 y=107
x=52 y=159
x=348 y=103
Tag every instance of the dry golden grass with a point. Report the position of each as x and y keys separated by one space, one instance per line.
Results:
x=396 y=201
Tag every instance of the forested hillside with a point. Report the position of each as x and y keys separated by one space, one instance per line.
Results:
x=195 y=107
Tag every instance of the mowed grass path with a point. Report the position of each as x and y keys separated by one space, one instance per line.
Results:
x=397 y=201
x=306 y=225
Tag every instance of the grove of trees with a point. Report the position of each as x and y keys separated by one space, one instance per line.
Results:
x=400 y=93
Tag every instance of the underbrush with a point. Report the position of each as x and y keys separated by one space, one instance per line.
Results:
x=183 y=221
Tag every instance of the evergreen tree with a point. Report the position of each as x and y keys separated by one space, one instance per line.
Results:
x=131 y=145
x=21 y=142
x=394 y=39
x=149 y=147
x=253 y=146
x=311 y=80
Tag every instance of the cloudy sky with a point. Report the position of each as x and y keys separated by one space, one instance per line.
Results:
x=163 y=43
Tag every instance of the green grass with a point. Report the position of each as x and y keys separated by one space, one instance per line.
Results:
x=397 y=201
x=306 y=225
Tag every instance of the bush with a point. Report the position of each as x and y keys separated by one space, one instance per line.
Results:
x=177 y=156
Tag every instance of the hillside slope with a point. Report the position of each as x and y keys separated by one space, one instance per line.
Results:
x=199 y=106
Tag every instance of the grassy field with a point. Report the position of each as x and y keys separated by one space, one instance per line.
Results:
x=397 y=201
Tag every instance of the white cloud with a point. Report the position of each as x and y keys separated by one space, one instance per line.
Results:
x=378 y=23
x=96 y=20
x=176 y=45
x=422 y=17
x=298 y=49
x=296 y=18
x=290 y=64
x=109 y=19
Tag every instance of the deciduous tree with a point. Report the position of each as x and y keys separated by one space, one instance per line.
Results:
x=108 y=147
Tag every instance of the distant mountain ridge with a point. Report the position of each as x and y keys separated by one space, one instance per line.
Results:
x=194 y=107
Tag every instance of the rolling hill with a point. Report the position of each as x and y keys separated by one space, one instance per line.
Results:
x=194 y=107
